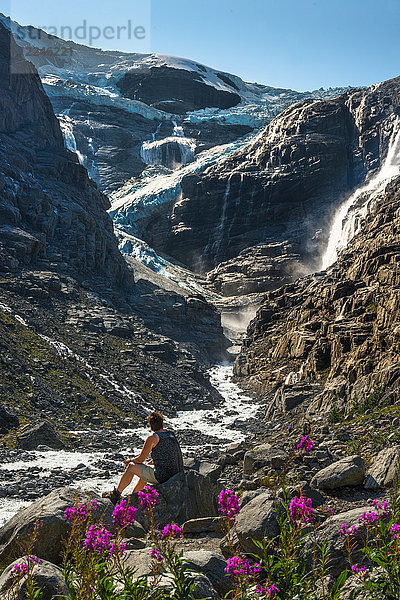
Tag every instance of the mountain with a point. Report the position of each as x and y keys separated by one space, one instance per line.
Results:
x=122 y=112
x=50 y=210
x=266 y=208
x=79 y=340
x=329 y=341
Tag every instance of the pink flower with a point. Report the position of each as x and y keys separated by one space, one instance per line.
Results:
x=22 y=568
x=228 y=504
x=156 y=555
x=171 y=531
x=395 y=529
x=306 y=444
x=80 y=512
x=383 y=509
x=301 y=510
x=123 y=515
x=148 y=497
x=100 y=541
x=272 y=591
x=348 y=531
x=368 y=518
x=240 y=568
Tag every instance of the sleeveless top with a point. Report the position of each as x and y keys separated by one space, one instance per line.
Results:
x=167 y=456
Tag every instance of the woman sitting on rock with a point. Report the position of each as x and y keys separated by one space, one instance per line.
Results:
x=166 y=457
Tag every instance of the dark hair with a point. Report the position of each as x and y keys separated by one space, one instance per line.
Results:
x=156 y=421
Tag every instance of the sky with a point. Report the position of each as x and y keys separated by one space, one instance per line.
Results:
x=298 y=44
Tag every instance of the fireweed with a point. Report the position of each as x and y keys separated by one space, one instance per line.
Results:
x=294 y=564
x=22 y=572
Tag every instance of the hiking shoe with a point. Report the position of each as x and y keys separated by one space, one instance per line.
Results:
x=114 y=496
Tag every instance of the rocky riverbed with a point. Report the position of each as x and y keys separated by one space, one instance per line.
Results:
x=96 y=464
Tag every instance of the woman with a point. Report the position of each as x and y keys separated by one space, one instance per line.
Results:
x=166 y=460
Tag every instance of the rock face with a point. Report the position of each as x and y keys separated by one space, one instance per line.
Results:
x=175 y=90
x=49 y=208
x=281 y=188
x=46 y=576
x=383 y=469
x=337 y=331
x=346 y=472
x=41 y=434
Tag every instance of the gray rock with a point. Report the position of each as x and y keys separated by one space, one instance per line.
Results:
x=40 y=434
x=184 y=497
x=349 y=471
x=256 y=521
x=383 y=469
x=204 y=525
x=212 y=565
x=329 y=532
x=45 y=575
x=204 y=589
x=263 y=456
x=54 y=528
x=7 y=420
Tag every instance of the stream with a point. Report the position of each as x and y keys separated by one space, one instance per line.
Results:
x=223 y=425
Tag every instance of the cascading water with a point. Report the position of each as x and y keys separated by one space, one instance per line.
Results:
x=173 y=152
x=68 y=134
x=347 y=220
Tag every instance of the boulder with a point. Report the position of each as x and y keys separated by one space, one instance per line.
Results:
x=256 y=521
x=7 y=420
x=329 y=532
x=383 y=468
x=54 y=528
x=40 y=434
x=204 y=589
x=348 y=471
x=46 y=576
x=211 y=565
x=263 y=456
x=188 y=495
x=204 y=525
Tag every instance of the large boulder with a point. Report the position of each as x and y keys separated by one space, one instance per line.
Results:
x=212 y=565
x=383 y=468
x=257 y=520
x=40 y=434
x=187 y=495
x=348 y=471
x=46 y=576
x=7 y=420
x=263 y=456
x=329 y=531
x=54 y=528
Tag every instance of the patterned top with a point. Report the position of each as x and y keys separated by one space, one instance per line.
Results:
x=167 y=456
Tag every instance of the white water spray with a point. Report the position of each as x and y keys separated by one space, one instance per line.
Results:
x=349 y=217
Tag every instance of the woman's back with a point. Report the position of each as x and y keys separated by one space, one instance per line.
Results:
x=167 y=456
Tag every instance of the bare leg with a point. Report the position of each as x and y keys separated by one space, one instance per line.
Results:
x=139 y=486
x=127 y=477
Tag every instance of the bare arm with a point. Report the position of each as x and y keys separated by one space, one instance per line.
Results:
x=147 y=448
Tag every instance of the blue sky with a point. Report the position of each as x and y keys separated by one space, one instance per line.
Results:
x=302 y=44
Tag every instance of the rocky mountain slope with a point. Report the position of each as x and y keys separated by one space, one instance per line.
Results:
x=330 y=341
x=281 y=189
x=79 y=341
x=51 y=211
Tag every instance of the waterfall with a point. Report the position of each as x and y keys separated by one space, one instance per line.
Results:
x=173 y=152
x=348 y=218
x=68 y=134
